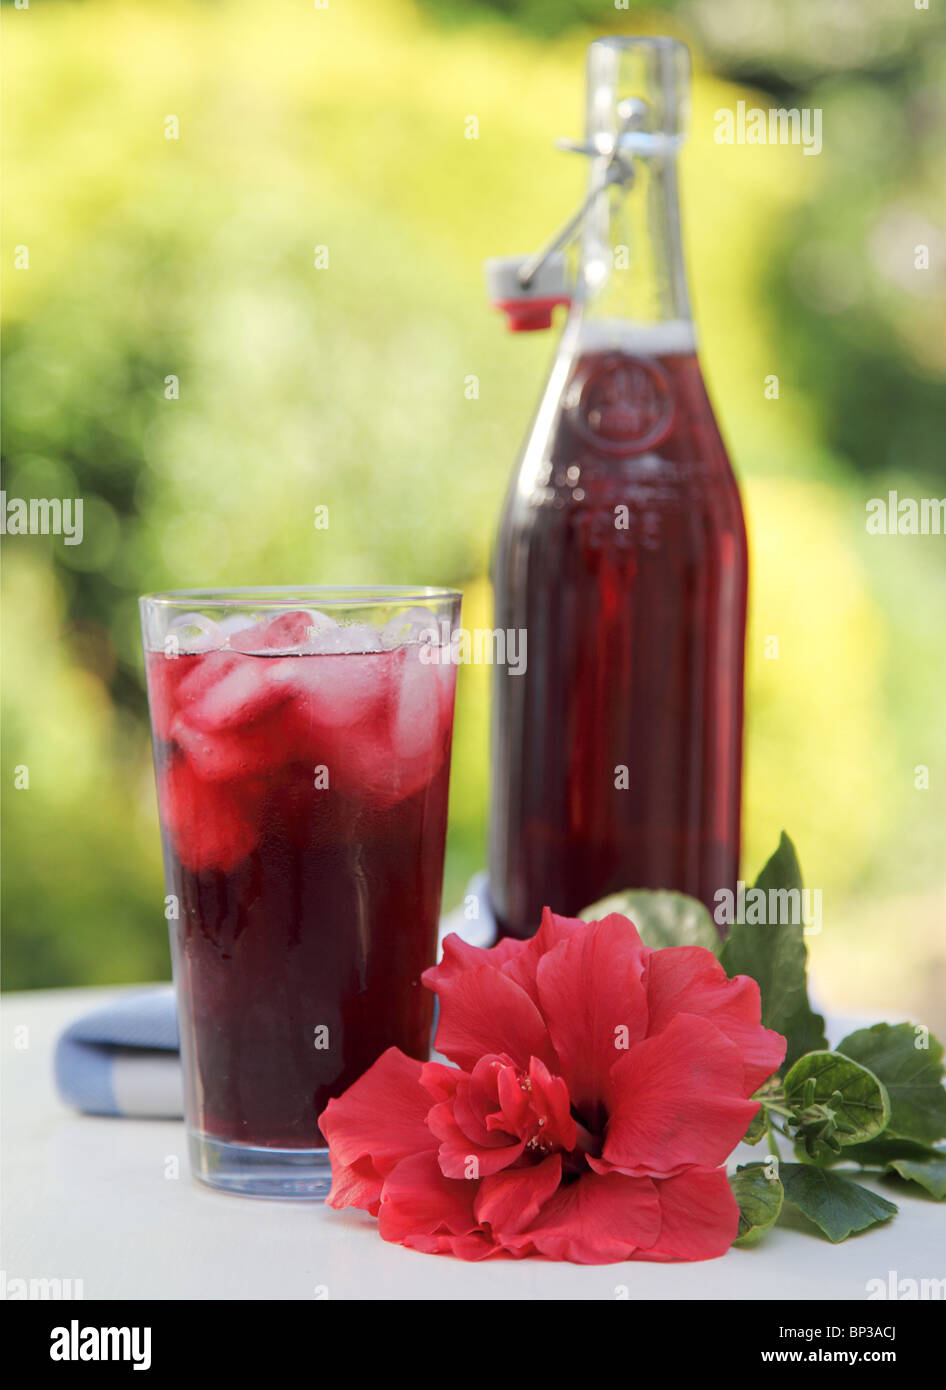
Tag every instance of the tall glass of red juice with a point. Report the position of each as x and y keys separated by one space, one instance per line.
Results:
x=302 y=752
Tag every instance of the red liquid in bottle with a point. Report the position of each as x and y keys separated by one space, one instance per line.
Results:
x=300 y=907
x=622 y=552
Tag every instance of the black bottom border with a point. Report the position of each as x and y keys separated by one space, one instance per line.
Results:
x=178 y=1338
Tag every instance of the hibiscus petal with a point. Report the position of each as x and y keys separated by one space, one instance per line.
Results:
x=477 y=1107
x=441 y=1082
x=514 y=1108
x=596 y=1220
x=679 y=1100
x=458 y=956
x=592 y=998
x=461 y=1157
x=474 y=1247
x=417 y=1200
x=551 y=1105
x=481 y=1012
x=699 y=1217
x=689 y=979
x=516 y=959
x=508 y=948
x=356 y=1185
x=382 y=1116
x=509 y=1201
x=522 y=966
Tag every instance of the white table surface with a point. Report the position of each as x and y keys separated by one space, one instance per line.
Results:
x=87 y=1198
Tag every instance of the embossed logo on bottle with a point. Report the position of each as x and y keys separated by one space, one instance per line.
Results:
x=621 y=404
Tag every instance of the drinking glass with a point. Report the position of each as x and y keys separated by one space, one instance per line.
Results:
x=302 y=751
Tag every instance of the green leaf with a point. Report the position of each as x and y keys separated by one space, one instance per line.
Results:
x=930 y=1174
x=663 y=919
x=913 y=1076
x=880 y=1151
x=760 y=1201
x=919 y=1163
x=771 y=1097
x=776 y=957
x=837 y=1206
x=756 y=1129
x=837 y=1102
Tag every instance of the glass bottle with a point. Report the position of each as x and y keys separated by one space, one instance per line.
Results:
x=617 y=755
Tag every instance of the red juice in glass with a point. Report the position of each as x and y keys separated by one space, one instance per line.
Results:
x=302 y=761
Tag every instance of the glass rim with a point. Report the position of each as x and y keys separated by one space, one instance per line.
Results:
x=295 y=596
x=622 y=41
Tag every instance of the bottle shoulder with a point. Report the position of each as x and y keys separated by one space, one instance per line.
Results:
x=693 y=465
x=613 y=414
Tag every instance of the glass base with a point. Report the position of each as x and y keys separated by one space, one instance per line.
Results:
x=293 y=1174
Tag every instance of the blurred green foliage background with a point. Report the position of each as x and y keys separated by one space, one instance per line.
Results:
x=344 y=127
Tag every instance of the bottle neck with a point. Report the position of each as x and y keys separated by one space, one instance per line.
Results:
x=632 y=277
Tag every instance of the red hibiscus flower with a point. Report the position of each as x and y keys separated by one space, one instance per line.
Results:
x=598 y=1088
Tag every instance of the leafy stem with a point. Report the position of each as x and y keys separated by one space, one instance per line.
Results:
x=770 y=1135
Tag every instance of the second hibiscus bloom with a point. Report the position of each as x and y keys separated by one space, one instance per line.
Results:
x=597 y=1091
